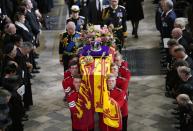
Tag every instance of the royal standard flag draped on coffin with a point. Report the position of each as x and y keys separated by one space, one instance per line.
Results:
x=93 y=92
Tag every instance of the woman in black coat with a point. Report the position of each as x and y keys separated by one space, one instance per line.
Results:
x=11 y=84
x=135 y=14
x=22 y=29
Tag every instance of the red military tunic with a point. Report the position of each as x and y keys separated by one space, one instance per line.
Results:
x=124 y=63
x=122 y=83
x=77 y=123
x=67 y=84
x=118 y=95
x=124 y=72
x=67 y=73
x=124 y=108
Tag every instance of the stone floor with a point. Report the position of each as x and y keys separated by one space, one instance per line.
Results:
x=149 y=109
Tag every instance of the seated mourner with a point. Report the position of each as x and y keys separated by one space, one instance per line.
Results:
x=11 y=83
x=186 y=112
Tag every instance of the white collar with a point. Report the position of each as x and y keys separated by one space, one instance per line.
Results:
x=179 y=38
x=21 y=25
x=168 y=12
x=29 y=10
x=186 y=56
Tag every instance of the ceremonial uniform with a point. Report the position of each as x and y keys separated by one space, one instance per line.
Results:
x=77 y=124
x=124 y=72
x=67 y=47
x=122 y=83
x=167 y=23
x=117 y=18
x=67 y=84
x=80 y=23
x=67 y=73
x=120 y=97
x=124 y=63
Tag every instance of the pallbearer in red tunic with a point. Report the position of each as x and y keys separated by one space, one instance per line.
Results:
x=67 y=73
x=116 y=94
x=68 y=81
x=123 y=67
x=122 y=84
x=119 y=60
x=72 y=97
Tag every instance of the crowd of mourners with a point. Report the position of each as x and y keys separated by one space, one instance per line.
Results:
x=174 y=21
x=20 y=29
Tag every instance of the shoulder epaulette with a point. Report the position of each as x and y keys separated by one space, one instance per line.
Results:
x=82 y=17
x=62 y=35
x=122 y=6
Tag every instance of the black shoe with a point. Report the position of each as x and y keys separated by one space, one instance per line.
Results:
x=36 y=54
x=37 y=67
x=133 y=32
x=32 y=76
x=176 y=109
x=25 y=116
x=177 y=126
x=24 y=119
x=64 y=99
x=35 y=71
x=177 y=117
x=27 y=108
x=175 y=112
x=136 y=36
x=36 y=57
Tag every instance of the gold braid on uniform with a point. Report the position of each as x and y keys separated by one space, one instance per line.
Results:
x=105 y=14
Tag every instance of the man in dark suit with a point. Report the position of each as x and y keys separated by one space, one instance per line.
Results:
x=24 y=71
x=181 y=23
x=84 y=4
x=31 y=18
x=95 y=12
x=22 y=30
x=168 y=17
x=178 y=52
x=178 y=36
